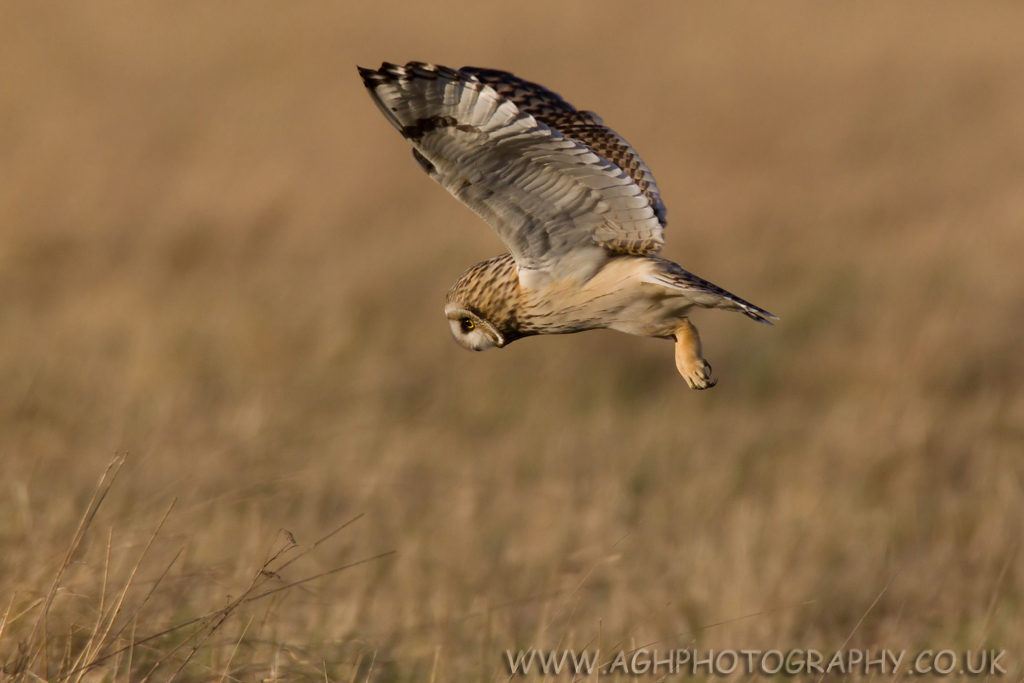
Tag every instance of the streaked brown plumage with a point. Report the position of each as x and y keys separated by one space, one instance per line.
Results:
x=578 y=209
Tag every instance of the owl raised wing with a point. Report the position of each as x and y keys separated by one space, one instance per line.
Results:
x=563 y=192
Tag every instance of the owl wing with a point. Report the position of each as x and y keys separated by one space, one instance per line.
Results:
x=563 y=192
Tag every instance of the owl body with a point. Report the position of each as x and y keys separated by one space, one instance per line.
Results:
x=624 y=295
x=578 y=210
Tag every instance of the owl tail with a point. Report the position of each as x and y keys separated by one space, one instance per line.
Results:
x=703 y=293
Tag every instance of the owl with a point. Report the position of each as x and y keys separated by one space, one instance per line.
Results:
x=576 y=207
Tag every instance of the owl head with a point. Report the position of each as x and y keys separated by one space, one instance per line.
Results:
x=472 y=330
x=481 y=305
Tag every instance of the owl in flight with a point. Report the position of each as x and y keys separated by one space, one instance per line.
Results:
x=577 y=208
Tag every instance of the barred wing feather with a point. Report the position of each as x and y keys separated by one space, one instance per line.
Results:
x=562 y=191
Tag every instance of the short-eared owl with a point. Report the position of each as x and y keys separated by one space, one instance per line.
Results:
x=578 y=210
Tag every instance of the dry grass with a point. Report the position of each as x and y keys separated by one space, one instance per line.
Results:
x=217 y=256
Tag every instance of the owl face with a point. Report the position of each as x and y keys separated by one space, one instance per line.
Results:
x=472 y=331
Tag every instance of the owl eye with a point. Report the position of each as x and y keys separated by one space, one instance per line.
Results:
x=467 y=325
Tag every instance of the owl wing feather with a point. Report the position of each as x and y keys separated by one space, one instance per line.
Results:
x=563 y=192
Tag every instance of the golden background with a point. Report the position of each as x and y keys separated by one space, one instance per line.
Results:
x=216 y=254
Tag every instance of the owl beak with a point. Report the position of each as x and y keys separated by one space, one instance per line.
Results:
x=498 y=337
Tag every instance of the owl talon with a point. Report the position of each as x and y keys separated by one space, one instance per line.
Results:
x=699 y=376
x=691 y=365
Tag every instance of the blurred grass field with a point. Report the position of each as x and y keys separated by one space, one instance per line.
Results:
x=217 y=256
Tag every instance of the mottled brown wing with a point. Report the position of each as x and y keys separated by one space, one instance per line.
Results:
x=587 y=127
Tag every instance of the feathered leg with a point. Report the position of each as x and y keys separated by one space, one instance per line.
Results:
x=691 y=365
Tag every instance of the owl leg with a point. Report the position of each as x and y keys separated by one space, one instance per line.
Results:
x=691 y=365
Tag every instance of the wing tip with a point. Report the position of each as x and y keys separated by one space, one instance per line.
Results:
x=371 y=77
x=372 y=81
x=424 y=70
x=366 y=74
x=386 y=72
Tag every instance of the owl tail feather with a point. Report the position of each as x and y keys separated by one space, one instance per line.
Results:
x=705 y=294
